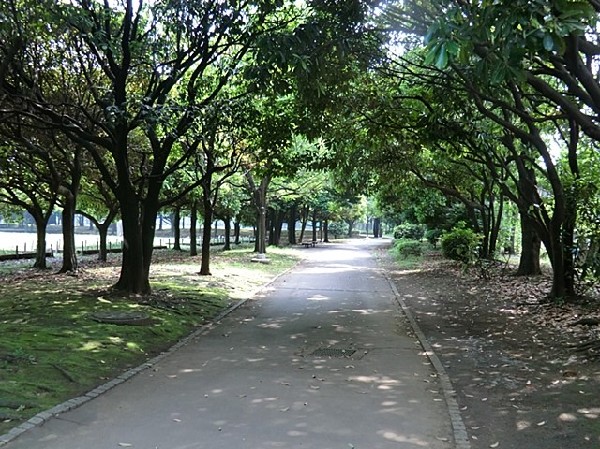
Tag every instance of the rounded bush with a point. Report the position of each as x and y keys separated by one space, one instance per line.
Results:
x=460 y=244
x=409 y=231
x=408 y=248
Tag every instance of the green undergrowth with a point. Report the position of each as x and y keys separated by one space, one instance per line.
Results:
x=51 y=349
x=408 y=253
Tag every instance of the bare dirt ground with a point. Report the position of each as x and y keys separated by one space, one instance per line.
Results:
x=520 y=366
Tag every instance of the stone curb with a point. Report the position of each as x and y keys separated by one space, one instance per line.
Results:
x=42 y=417
x=461 y=438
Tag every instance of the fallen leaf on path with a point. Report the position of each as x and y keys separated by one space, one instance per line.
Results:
x=496 y=444
x=125 y=444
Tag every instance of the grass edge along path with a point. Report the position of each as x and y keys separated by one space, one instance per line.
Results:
x=52 y=350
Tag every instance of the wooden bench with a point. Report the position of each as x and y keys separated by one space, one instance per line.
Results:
x=312 y=244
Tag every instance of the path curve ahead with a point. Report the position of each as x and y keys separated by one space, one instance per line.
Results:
x=320 y=359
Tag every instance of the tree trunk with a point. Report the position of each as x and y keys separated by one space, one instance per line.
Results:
x=350 y=228
x=529 y=262
x=291 y=223
x=259 y=196
x=193 y=226
x=227 y=225
x=376 y=227
x=277 y=227
x=314 y=226
x=206 y=236
x=176 y=226
x=133 y=278
x=69 y=264
x=237 y=228
x=304 y=222
x=496 y=225
x=326 y=231
x=103 y=233
x=103 y=229
x=40 y=254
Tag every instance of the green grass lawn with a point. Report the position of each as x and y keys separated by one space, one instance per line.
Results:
x=51 y=349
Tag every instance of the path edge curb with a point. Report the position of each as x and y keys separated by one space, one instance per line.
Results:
x=461 y=438
x=40 y=418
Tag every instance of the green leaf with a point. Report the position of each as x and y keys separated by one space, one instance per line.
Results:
x=442 y=58
x=548 y=42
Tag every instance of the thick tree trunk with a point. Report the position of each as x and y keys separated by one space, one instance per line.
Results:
x=529 y=262
x=350 y=228
x=291 y=224
x=193 y=226
x=69 y=264
x=376 y=227
x=103 y=233
x=326 y=231
x=133 y=278
x=314 y=226
x=40 y=253
x=277 y=227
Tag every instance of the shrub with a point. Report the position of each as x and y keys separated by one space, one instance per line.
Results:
x=460 y=244
x=433 y=236
x=338 y=229
x=408 y=248
x=409 y=231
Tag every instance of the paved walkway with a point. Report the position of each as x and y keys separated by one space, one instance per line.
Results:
x=321 y=360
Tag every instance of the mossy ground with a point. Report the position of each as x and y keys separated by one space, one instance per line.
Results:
x=51 y=349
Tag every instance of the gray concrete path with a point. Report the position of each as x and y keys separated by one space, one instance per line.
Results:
x=279 y=372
